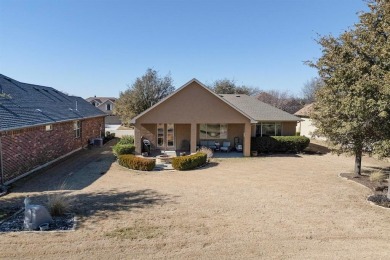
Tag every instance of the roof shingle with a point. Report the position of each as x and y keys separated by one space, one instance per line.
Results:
x=23 y=105
x=257 y=110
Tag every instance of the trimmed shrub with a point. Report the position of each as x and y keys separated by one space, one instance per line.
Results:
x=280 y=144
x=120 y=149
x=126 y=139
x=136 y=163
x=189 y=162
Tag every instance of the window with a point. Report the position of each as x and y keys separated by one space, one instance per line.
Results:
x=269 y=129
x=160 y=135
x=94 y=104
x=170 y=135
x=49 y=127
x=213 y=131
x=77 y=128
x=108 y=107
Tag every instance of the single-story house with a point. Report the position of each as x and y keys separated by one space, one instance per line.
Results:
x=194 y=114
x=39 y=125
x=305 y=126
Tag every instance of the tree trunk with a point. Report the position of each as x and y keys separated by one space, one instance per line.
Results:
x=358 y=164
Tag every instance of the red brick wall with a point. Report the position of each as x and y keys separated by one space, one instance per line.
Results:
x=28 y=148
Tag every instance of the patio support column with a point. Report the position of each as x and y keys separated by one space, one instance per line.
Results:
x=137 y=138
x=247 y=139
x=193 y=138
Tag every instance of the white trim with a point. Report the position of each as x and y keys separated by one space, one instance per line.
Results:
x=41 y=166
x=163 y=136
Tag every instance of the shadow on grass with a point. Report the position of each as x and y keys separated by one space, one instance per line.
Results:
x=99 y=205
x=316 y=149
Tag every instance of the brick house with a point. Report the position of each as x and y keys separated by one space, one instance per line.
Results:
x=39 y=125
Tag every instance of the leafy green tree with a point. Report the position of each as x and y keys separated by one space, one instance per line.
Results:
x=227 y=86
x=142 y=94
x=352 y=109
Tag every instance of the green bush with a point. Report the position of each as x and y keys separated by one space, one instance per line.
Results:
x=120 y=149
x=189 y=162
x=280 y=144
x=136 y=163
x=126 y=139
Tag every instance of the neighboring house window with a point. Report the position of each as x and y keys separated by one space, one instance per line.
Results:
x=160 y=135
x=213 y=131
x=269 y=129
x=94 y=104
x=77 y=128
x=108 y=107
x=170 y=135
x=49 y=127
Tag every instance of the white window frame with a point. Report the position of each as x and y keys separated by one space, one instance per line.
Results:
x=206 y=135
x=160 y=126
x=275 y=123
x=77 y=128
x=108 y=106
x=49 y=127
x=173 y=135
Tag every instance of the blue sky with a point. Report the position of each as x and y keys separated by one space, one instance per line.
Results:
x=88 y=48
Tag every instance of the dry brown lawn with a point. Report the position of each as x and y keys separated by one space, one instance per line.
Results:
x=278 y=207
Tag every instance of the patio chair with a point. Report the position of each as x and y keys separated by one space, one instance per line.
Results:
x=225 y=147
x=239 y=147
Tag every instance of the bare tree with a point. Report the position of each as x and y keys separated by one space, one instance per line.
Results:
x=281 y=99
x=310 y=89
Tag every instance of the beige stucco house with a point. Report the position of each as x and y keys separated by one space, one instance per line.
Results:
x=306 y=127
x=194 y=113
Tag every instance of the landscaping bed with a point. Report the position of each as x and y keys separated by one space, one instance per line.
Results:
x=379 y=190
x=14 y=222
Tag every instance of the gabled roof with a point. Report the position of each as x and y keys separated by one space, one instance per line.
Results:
x=101 y=99
x=25 y=105
x=305 y=111
x=252 y=108
x=257 y=110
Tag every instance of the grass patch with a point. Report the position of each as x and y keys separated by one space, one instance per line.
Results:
x=138 y=231
x=378 y=176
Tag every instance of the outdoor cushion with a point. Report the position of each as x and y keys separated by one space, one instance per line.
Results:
x=211 y=144
x=225 y=146
x=203 y=143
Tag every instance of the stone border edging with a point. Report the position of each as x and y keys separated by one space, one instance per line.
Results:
x=369 y=202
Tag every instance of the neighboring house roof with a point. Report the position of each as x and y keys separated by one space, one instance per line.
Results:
x=305 y=111
x=248 y=106
x=101 y=100
x=25 y=105
x=257 y=110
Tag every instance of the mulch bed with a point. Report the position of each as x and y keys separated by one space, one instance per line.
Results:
x=15 y=222
x=379 y=196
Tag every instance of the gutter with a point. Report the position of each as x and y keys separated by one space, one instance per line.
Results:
x=1 y=164
x=48 y=123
